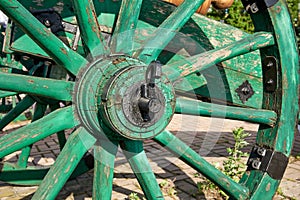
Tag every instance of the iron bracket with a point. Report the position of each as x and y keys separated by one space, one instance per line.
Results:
x=255 y=6
x=267 y=160
x=50 y=18
x=245 y=91
x=269 y=70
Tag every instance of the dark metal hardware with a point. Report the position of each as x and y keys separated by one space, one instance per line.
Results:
x=245 y=91
x=50 y=18
x=149 y=103
x=267 y=160
x=270 y=73
x=254 y=6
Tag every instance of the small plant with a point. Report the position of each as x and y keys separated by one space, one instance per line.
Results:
x=168 y=187
x=133 y=196
x=209 y=189
x=232 y=166
x=197 y=175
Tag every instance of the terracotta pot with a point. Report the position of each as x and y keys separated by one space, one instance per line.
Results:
x=222 y=4
x=202 y=9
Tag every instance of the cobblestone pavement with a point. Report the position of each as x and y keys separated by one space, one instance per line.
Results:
x=208 y=136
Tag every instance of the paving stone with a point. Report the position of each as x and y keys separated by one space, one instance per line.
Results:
x=201 y=135
x=186 y=187
x=24 y=191
x=165 y=175
x=124 y=182
x=295 y=166
x=119 y=196
x=126 y=191
x=56 y=152
x=182 y=177
x=184 y=195
x=7 y=191
x=13 y=198
x=46 y=161
x=290 y=189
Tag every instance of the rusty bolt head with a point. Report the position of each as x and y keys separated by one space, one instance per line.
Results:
x=47 y=23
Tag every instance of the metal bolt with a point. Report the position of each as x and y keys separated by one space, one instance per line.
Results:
x=270 y=82
x=47 y=23
x=154 y=105
x=261 y=151
x=25 y=58
x=150 y=105
x=245 y=90
x=270 y=64
x=256 y=164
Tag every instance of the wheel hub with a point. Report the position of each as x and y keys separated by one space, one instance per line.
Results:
x=140 y=110
x=121 y=95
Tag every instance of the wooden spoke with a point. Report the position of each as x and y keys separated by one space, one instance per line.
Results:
x=89 y=27
x=167 y=30
x=205 y=60
x=11 y=173
x=56 y=89
x=77 y=145
x=61 y=136
x=6 y=94
x=123 y=36
x=16 y=111
x=193 y=107
x=104 y=153
x=52 y=45
x=56 y=121
x=133 y=150
x=39 y=112
x=189 y=156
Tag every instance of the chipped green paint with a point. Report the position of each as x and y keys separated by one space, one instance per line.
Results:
x=6 y=94
x=99 y=85
x=39 y=112
x=125 y=26
x=52 y=123
x=136 y=156
x=167 y=30
x=189 y=156
x=16 y=111
x=77 y=145
x=193 y=107
x=55 y=89
x=283 y=100
x=90 y=28
x=61 y=134
x=203 y=61
x=59 y=51
x=105 y=152
x=33 y=175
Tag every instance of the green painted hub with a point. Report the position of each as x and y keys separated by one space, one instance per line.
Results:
x=109 y=99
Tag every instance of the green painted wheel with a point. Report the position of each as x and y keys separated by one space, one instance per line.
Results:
x=119 y=94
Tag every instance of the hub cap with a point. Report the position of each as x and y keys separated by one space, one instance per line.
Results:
x=122 y=95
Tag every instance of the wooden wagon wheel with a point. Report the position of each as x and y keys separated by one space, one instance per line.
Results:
x=122 y=99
